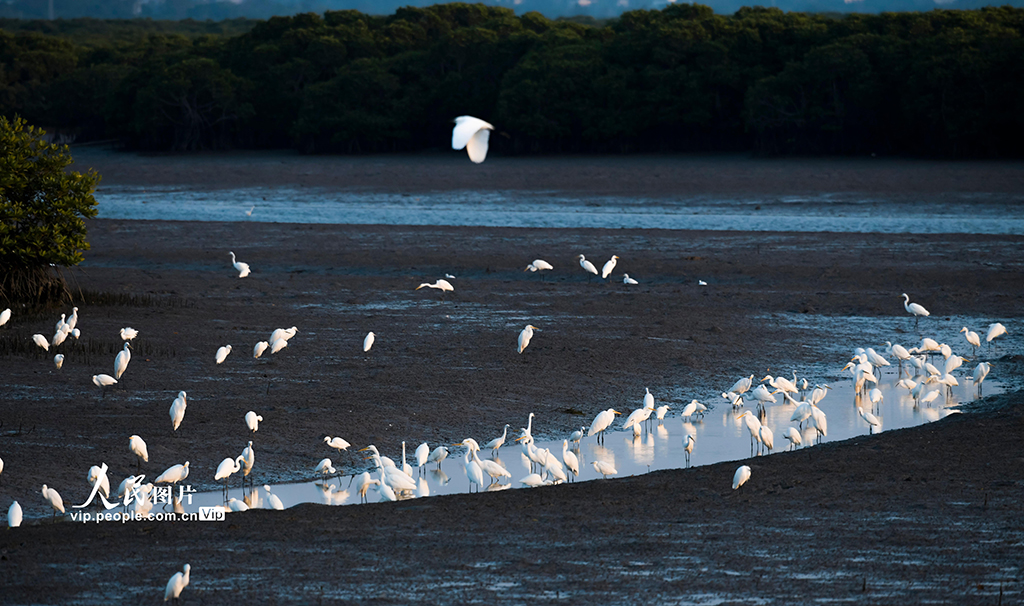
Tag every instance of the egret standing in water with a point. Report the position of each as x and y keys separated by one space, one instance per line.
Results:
x=241 y=268
x=442 y=285
x=915 y=309
x=498 y=442
x=473 y=134
x=871 y=419
x=972 y=338
x=602 y=421
x=994 y=330
x=980 y=372
x=336 y=443
x=604 y=468
x=525 y=336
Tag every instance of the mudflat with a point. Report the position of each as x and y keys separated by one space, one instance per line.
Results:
x=931 y=513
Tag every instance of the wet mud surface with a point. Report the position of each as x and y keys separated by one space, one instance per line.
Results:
x=931 y=513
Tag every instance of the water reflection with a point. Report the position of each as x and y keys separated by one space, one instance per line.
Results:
x=721 y=436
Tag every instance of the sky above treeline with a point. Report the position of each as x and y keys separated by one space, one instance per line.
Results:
x=598 y=9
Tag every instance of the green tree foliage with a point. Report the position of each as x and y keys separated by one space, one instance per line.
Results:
x=43 y=209
x=944 y=82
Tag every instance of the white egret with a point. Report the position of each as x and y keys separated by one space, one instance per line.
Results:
x=980 y=372
x=97 y=476
x=753 y=426
x=875 y=396
x=121 y=361
x=103 y=381
x=661 y=411
x=972 y=338
x=914 y=308
x=766 y=437
x=222 y=353
x=5 y=316
x=819 y=421
x=437 y=455
x=742 y=386
x=690 y=443
x=14 y=514
x=741 y=476
x=248 y=457
x=59 y=337
x=324 y=468
x=498 y=442
x=382 y=460
x=278 y=345
x=138 y=447
x=525 y=336
x=602 y=421
x=554 y=469
x=587 y=265
x=248 y=213
x=421 y=454
x=490 y=467
x=252 y=421
x=273 y=499
x=734 y=398
x=637 y=417
x=128 y=333
x=533 y=480
x=473 y=134
x=763 y=396
x=259 y=349
x=336 y=443
x=363 y=484
x=227 y=467
x=802 y=411
x=173 y=474
x=282 y=333
x=604 y=468
x=177 y=583
x=237 y=506
x=793 y=436
x=648 y=399
x=241 y=268
x=538 y=265
x=473 y=470
x=871 y=419
x=41 y=341
x=58 y=360
x=177 y=410
x=569 y=458
x=76 y=333
x=53 y=498
x=368 y=341
x=406 y=468
x=876 y=359
x=59 y=327
x=442 y=285
x=930 y=397
x=609 y=266
x=995 y=330
x=781 y=383
x=577 y=435
x=627 y=280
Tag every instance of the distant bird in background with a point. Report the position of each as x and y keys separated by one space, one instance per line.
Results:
x=442 y=285
x=248 y=213
x=525 y=336
x=472 y=134
x=368 y=341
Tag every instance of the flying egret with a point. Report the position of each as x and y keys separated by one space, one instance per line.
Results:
x=609 y=266
x=914 y=308
x=741 y=476
x=690 y=442
x=222 y=353
x=871 y=419
x=473 y=134
x=604 y=468
x=241 y=268
x=273 y=499
x=177 y=583
x=173 y=474
x=602 y=421
x=627 y=280
x=252 y=421
x=972 y=338
x=793 y=436
x=368 y=341
x=587 y=265
x=994 y=330
x=177 y=410
x=128 y=333
x=278 y=345
x=260 y=348
x=58 y=360
x=525 y=336
x=14 y=515
x=41 y=341
x=5 y=316
x=498 y=442
x=538 y=265
x=138 y=447
x=336 y=443
x=227 y=467
x=121 y=361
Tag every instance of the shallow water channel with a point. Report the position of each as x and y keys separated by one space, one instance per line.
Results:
x=719 y=436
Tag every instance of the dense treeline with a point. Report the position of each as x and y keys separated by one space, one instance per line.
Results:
x=945 y=83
